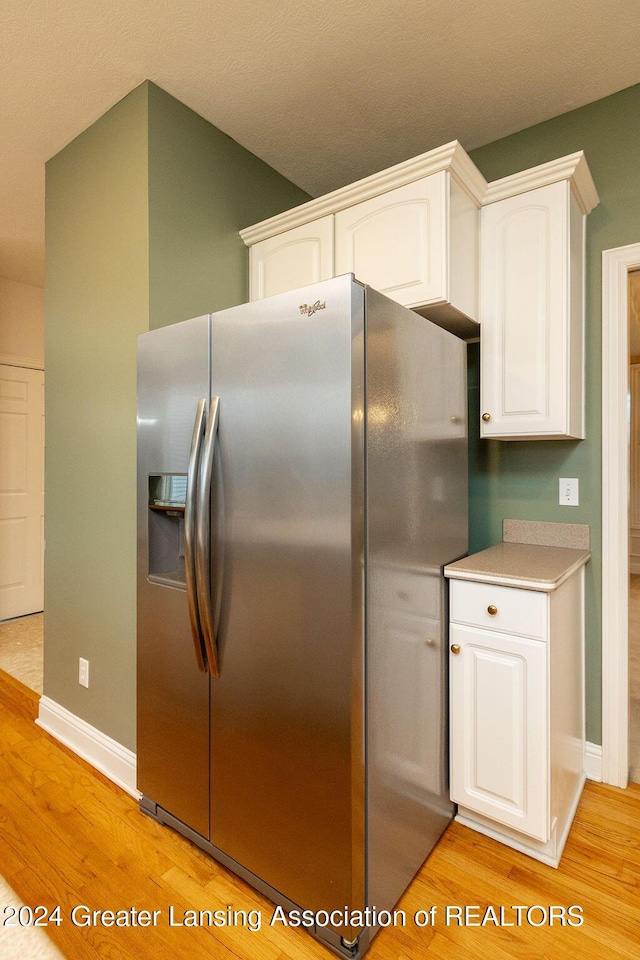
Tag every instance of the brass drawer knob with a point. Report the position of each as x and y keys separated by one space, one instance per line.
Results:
x=486 y=417
x=455 y=648
x=491 y=610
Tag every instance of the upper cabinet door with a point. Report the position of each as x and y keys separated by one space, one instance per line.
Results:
x=532 y=315
x=410 y=231
x=292 y=259
x=397 y=242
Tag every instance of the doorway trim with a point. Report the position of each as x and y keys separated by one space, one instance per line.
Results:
x=31 y=363
x=616 y=264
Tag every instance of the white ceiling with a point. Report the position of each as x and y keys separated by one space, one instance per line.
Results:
x=326 y=91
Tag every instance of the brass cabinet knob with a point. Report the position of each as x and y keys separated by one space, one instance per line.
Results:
x=486 y=417
x=491 y=610
x=455 y=419
x=455 y=648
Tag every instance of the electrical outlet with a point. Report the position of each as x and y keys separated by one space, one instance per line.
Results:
x=568 y=492
x=83 y=672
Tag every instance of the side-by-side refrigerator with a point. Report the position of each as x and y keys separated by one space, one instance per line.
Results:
x=302 y=475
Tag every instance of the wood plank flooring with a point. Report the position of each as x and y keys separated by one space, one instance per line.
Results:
x=70 y=837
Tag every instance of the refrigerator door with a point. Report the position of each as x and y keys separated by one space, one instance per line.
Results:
x=287 y=762
x=173 y=689
x=417 y=522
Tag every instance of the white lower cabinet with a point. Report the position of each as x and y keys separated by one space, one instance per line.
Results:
x=516 y=712
x=499 y=729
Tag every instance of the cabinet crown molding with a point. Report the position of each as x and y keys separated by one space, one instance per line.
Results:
x=451 y=156
x=573 y=167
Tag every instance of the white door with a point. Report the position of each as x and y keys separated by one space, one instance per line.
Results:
x=525 y=321
x=21 y=491
x=499 y=728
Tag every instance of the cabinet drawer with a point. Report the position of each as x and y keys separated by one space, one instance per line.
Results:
x=522 y=612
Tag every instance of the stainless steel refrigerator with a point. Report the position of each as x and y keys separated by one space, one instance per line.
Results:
x=302 y=482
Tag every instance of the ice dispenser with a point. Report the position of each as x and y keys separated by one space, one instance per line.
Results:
x=167 y=492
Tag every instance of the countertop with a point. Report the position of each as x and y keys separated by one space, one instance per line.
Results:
x=525 y=565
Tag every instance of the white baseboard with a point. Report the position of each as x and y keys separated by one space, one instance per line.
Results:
x=106 y=755
x=593 y=761
x=119 y=764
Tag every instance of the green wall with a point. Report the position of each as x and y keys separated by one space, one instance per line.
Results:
x=199 y=200
x=142 y=215
x=520 y=479
x=96 y=301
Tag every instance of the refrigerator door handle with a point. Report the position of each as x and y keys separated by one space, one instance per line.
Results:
x=203 y=538
x=190 y=507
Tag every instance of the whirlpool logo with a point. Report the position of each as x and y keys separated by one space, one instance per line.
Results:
x=308 y=309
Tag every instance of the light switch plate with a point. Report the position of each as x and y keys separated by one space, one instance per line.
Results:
x=568 y=492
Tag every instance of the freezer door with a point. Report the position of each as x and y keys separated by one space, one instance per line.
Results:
x=286 y=710
x=173 y=689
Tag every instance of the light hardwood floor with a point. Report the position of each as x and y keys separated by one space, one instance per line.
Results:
x=68 y=836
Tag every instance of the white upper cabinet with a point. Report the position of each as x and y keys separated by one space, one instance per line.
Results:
x=395 y=242
x=431 y=234
x=411 y=232
x=295 y=258
x=416 y=244
x=532 y=306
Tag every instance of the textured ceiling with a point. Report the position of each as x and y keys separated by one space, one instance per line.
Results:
x=326 y=91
